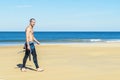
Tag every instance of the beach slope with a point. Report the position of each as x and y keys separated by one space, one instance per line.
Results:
x=97 y=61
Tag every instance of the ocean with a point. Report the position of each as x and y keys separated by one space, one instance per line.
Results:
x=18 y=38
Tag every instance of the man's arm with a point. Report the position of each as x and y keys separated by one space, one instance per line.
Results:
x=27 y=38
x=36 y=41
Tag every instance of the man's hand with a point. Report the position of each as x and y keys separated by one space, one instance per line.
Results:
x=38 y=43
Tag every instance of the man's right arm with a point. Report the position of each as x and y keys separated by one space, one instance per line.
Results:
x=27 y=38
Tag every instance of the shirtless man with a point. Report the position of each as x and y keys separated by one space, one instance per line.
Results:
x=29 y=46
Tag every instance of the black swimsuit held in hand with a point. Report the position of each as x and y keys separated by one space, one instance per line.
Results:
x=28 y=52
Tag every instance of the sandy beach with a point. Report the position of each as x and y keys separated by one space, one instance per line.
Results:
x=97 y=61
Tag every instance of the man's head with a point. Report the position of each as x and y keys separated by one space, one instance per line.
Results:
x=32 y=22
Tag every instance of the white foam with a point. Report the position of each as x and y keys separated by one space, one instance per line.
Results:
x=96 y=40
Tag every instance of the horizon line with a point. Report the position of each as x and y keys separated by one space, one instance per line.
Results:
x=62 y=31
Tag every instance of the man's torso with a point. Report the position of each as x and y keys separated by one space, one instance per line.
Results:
x=30 y=35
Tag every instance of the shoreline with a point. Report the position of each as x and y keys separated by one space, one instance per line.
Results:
x=85 y=43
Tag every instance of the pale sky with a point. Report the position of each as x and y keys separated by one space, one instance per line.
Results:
x=60 y=15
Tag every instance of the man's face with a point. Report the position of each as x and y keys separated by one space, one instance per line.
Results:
x=32 y=23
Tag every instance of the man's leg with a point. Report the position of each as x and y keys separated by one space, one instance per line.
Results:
x=25 y=59
x=35 y=60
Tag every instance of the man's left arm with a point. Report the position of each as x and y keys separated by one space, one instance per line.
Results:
x=36 y=41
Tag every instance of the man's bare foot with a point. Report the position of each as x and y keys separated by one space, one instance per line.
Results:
x=40 y=69
x=23 y=70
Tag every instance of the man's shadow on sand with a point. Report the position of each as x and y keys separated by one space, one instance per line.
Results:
x=20 y=67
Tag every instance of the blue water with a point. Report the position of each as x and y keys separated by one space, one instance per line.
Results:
x=60 y=37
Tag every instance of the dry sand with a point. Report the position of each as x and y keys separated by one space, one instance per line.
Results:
x=99 y=61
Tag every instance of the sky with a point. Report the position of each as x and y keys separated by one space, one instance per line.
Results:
x=60 y=15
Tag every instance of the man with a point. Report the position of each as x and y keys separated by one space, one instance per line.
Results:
x=29 y=46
